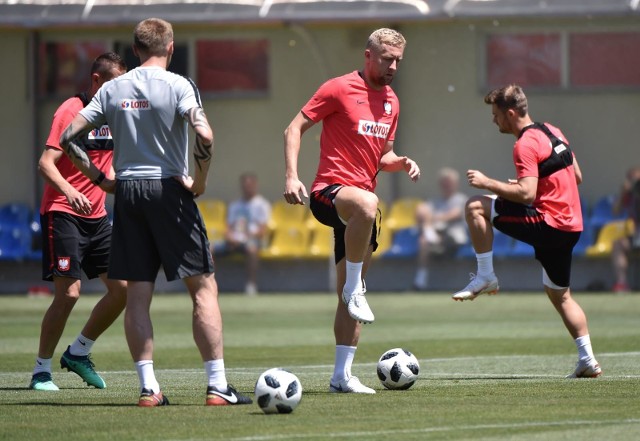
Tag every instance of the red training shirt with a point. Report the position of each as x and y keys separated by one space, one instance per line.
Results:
x=357 y=123
x=98 y=145
x=557 y=196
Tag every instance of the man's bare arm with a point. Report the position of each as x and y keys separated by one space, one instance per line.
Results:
x=79 y=127
x=203 y=149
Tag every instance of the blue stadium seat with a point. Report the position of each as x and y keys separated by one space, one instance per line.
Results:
x=602 y=213
x=15 y=213
x=466 y=251
x=502 y=244
x=585 y=241
x=15 y=242
x=405 y=244
x=502 y=247
x=521 y=249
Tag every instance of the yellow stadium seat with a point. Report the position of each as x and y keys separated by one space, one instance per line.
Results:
x=402 y=214
x=214 y=215
x=285 y=214
x=288 y=242
x=321 y=244
x=608 y=234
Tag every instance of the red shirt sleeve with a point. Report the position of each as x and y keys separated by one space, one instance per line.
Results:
x=525 y=157
x=323 y=102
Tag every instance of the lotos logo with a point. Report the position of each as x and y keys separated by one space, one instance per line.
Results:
x=372 y=128
x=131 y=104
x=64 y=263
x=101 y=133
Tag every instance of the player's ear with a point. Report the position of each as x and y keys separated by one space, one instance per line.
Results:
x=96 y=79
x=170 y=48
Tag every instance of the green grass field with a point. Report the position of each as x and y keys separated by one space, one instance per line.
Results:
x=492 y=369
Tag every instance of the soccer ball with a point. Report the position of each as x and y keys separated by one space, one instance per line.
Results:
x=278 y=391
x=398 y=369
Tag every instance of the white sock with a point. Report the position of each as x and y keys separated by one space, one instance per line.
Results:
x=344 y=359
x=81 y=346
x=485 y=263
x=147 y=376
x=215 y=374
x=354 y=277
x=42 y=365
x=584 y=348
x=422 y=278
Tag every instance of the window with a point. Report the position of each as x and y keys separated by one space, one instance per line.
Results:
x=563 y=60
x=66 y=66
x=528 y=60
x=233 y=67
x=605 y=59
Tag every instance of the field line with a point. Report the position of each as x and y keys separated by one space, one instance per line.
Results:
x=395 y=432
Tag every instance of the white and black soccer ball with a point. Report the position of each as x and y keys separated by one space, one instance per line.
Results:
x=398 y=369
x=278 y=391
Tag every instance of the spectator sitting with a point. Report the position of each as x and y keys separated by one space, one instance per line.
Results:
x=628 y=202
x=442 y=224
x=247 y=221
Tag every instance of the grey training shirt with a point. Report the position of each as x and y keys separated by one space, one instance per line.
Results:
x=144 y=109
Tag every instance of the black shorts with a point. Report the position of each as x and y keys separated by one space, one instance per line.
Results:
x=157 y=222
x=553 y=247
x=324 y=210
x=72 y=244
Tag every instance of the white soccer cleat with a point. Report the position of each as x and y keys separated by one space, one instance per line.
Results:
x=358 y=306
x=586 y=369
x=478 y=285
x=351 y=385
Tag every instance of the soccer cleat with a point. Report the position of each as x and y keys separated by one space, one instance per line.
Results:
x=42 y=381
x=83 y=366
x=358 y=306
x=228 y=398
x=351 y=385
x=478 y=285
x=586 y=369
x=150 y=399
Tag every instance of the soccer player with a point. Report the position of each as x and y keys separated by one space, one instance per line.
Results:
x=76 y=235
x=541 y=208
x=359 y=112
x=156 y=218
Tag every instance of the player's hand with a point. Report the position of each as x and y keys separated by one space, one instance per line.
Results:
x=412 y=169
x=189 y=184
x=78 y=202
x=477 y=179
x=293 y=189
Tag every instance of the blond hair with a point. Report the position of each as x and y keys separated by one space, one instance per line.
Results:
x=386 y=36
x=152 y=36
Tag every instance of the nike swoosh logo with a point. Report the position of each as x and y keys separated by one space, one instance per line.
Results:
x=39 y=364
x=229 y=397
x=360 y=102
x=82 y=343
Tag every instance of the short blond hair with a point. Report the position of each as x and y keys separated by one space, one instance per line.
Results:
x=386 y=36
x=152 y=36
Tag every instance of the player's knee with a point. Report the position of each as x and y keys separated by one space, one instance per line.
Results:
x=369 y=205
x=474 y=206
